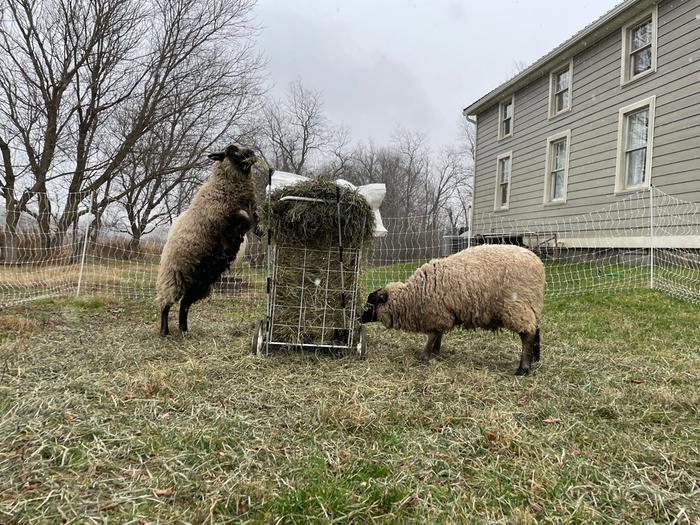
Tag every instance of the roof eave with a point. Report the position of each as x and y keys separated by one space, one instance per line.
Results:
x=588 y=36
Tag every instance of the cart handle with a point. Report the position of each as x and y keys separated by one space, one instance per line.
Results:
x=303 y=199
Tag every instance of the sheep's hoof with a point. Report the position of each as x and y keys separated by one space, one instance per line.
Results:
x=164 y=333
x=521 y=371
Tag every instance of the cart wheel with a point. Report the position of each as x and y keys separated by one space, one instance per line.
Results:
x=258 y=339
x=362 y=343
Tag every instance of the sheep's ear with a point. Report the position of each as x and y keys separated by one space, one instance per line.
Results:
x=216 y=156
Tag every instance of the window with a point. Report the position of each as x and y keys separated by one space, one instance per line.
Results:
x=506 y=119
x=556 y=174
x=503 y=176
x=560 y=90
x=639 y=47
x=634 y=146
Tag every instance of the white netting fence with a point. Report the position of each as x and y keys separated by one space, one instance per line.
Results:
x=648 y=239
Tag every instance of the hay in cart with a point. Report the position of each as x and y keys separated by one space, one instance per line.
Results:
x=319 y=232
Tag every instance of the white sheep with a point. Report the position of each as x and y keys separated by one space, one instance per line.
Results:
x=205 y=239
x=490 y=286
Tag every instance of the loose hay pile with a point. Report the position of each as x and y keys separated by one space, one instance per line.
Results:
x=313 y=299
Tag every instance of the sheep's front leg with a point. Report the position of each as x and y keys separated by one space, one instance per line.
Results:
x=536 y=346
x=433 y=345
x=528 y=341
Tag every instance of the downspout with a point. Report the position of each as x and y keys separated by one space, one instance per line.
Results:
x=470 y=218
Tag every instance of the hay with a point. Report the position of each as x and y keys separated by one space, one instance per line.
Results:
x=313 y=305
x=314 y=224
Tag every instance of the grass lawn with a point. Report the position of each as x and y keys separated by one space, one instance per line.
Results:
x=102 y=421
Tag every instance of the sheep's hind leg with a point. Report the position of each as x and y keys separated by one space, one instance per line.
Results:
x=433 y=345
x=437 y=343
x=164 y=320
x=185 y=304
x=536 y=346
x=528 y=341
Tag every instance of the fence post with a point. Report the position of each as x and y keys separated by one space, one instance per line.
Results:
x=82 y=260
x=652 y=239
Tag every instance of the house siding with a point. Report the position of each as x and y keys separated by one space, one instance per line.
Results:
x=597 y=97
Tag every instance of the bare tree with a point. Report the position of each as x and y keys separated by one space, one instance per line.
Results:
x=338 y=155
x=415 y=156
x=173 y=157
x=294 y=130
x=441 y=186
x=81 y=92
x=43 y=45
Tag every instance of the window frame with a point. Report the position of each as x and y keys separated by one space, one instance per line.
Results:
x=626 y=76
x=547 y=200
x=622 y=134
x=553 y=92
x=497 y=206
x=501 y=106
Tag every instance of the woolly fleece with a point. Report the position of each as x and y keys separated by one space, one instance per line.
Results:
x=207 y=228
x=490 y=286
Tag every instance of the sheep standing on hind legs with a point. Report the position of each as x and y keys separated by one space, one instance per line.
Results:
x=491 y=287
x=204 y=240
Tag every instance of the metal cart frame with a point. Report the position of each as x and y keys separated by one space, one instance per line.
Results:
x=351 y=338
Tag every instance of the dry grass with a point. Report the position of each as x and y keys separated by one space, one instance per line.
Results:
x=102 y=421
x=17 y=324
x=36 y=275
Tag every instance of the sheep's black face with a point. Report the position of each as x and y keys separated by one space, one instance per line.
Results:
x=241 y=157
x=374 y=300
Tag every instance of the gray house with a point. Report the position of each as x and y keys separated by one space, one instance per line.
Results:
x=608 y=113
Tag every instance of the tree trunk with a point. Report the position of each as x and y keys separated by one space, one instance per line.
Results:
x=69 y=218
x=44 y=220
x=11 y=245
x=135 y=243
x=95 y=226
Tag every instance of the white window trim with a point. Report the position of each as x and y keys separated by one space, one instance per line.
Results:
x=546 y=200
x=496 y=203
x=552 y=103
x=500 y=118
x=624 y=77
x=620 y=173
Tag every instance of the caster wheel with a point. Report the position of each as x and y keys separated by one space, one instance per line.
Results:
x=257 y=342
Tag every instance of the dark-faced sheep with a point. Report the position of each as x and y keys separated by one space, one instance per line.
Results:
x=487 y=287
x=205 y=239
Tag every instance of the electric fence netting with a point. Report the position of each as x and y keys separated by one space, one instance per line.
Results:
x=647 y=240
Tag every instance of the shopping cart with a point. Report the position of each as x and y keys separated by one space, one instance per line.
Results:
x=312 y=292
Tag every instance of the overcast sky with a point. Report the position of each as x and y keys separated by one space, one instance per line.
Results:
x=380 y=64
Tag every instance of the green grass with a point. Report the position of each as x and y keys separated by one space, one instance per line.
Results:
x=102 y=421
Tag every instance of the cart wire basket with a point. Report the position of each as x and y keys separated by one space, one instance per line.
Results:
x=312 y=292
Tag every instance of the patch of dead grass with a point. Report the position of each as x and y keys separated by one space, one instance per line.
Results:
x=18 y=324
